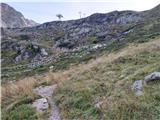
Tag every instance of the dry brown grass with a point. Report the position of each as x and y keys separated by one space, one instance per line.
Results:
x=14 y=90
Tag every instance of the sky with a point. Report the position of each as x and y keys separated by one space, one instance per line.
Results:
x=45 y=10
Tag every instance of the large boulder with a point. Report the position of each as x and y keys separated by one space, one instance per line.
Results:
x=153 y=76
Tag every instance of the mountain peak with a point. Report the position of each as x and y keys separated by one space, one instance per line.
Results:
x=13 y=19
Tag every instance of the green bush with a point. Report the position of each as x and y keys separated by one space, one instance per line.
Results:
x=92 y=39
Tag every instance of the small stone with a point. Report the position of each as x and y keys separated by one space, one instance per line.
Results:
x=43 y=52
x=51 y=67
x=137 y=87
x=99 y=104
x=18 y=58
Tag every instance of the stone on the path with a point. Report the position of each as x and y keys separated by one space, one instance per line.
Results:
x=152 y=76
x=99 y=104
x=137 y=87
x=41 y=104
x=45 y=91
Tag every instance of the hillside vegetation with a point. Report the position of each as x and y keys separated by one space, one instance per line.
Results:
x=104 y=82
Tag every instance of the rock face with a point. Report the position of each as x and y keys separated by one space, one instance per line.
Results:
x=13 y=19
x=153 y=76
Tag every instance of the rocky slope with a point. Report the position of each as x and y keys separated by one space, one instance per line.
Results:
x=13 y=19
x=46 y=43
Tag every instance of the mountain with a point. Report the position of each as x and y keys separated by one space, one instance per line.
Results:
x=102 y=67
x=46 y=43
x=14 y=19
x=153 y=13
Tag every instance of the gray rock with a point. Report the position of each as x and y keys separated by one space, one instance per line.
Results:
x=152 y=76
x=2 y=60
x=137 y=87
x=99 y=104
x=35 y=46
x=97 y=46
x=83 y=31
x=46 y=91
x=18 y=58
x=41 y=104
x=38 y=57
x=43 y=52
x=26 y=55
x=51 y=67
x=126 y=18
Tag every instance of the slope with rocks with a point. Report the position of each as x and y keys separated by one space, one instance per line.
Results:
x=83 y=36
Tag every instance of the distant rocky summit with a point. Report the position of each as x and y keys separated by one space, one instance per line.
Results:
x=10 y=18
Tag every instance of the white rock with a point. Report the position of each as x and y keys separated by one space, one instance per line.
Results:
x=41 y=104
x=43 y=52
x=45 y=91
x=137 y=87
x=99 y=104
x=51 y=67
x=97 y=46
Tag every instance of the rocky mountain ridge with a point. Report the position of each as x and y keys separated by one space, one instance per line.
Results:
x=14 y=19
x=45 y=41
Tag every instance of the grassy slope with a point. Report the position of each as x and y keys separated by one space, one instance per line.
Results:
x=107 y=79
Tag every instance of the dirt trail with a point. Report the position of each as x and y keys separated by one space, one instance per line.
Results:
x=47 y=92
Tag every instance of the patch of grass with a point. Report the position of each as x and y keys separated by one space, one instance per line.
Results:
x=92 y=39
x=22 y=112
x=40 y=69
x=77 y=104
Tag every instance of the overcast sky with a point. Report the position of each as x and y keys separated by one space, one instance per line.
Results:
x=45 y=10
